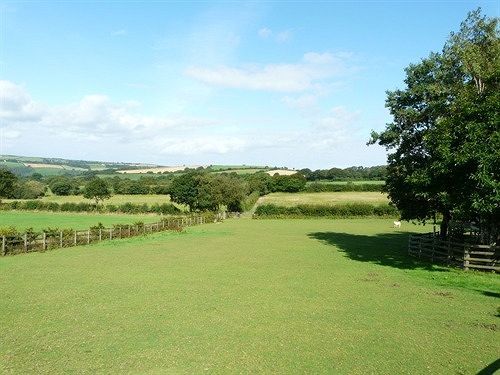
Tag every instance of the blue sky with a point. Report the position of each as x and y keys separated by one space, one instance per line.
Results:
x=297 y=84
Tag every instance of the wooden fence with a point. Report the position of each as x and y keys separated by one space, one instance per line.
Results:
x=463 y=255
x=32 y=241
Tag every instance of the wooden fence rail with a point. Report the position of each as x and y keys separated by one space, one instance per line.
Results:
x=463 y=255
x=30 y=241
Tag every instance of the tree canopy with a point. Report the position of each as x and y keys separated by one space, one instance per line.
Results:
x=97 y=189
x=8 y=182
x=444 y=140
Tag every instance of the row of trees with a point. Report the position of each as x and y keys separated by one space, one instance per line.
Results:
x=352 y=173
x=444 y=141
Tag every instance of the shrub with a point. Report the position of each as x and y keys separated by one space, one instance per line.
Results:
x=340 y=210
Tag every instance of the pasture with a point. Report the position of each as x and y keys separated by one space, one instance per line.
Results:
x=322 y=296
x=41 y=220
x=329 y=198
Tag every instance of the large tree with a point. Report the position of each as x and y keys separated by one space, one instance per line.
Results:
x=97 y=189
x=444 y=140
x=8 y=182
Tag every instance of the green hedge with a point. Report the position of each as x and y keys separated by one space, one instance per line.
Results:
x=318 y=187
x=129 y=208
x=339 y=211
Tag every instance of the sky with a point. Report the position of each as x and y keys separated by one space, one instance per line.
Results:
x=297 y=84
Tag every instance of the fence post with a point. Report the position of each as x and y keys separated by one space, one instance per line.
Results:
x=3 y=245
x=110 y=233
x=44 y=241
x=88 y=236
x=61 y=238
x=25 y=242
x=129 y=230
x=100 y=234
x=466 y=257
x=75 y=237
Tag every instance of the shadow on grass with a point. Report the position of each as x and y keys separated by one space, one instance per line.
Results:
x=387 y=249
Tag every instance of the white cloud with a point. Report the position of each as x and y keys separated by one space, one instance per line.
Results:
x=119 y=130
x=298 y=77
x=265 y=32
x=279 y=37
x=94 y=115
x=119 y=32
x=200 y=145
x=301 y=102
x=16 y=105
x=284 y=36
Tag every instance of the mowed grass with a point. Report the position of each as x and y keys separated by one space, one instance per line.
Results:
x=329 y=198
x=247 y=296
x=42 y=220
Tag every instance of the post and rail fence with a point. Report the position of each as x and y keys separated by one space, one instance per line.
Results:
x=31 y=241
x=463 y=255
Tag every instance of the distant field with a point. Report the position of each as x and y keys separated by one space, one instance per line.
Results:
x=40 y=220
x=281 y=172
x=330 y=198
x=158 y=169
x=238 y=167
x=367 y=182
x=239 y=171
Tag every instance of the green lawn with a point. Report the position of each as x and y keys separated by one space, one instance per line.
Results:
x=293 y=199
x=247 y=296
x=42 y=220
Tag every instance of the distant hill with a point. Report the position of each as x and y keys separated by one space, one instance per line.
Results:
x=28 y=165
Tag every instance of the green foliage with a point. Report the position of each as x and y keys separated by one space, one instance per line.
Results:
x=318 y=187
x=336 y=211
x=350 y=173
x=7 y=183
x=129 y=208
x=97 y=189
x=445 y=136
x=30 y=189
x=63 y=186
x=204 y=191
x=288 y=184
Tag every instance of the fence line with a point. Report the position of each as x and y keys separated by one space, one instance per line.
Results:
x=30 y=241
x=462 y=255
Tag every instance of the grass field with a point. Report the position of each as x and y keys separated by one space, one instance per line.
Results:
x=322 y=296
x=293 y=199
x=41 y=220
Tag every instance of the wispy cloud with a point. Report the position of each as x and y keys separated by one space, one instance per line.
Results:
x=282 y=36
x=302 y=76
x=98 y=121
x=120 y=32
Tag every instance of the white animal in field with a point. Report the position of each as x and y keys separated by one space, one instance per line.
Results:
x=397 y=224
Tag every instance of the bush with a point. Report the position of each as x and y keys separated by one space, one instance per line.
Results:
x=338 y=211
x=318 y=187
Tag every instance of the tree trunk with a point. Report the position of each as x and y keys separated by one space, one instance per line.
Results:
x=445 y=223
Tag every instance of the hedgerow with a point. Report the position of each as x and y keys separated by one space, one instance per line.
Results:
x=337 y=211
x=129 y=208
x=317 y=187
